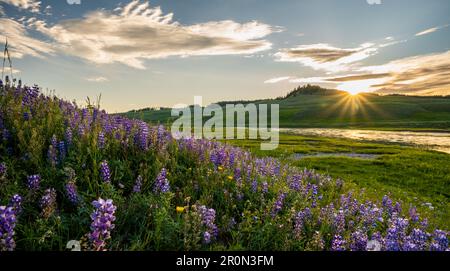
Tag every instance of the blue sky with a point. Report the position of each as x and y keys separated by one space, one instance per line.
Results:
x=160 y=53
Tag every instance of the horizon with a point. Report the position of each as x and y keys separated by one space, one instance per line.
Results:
x=167 y=52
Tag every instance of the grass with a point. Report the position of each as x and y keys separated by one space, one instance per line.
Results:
x=411 y=174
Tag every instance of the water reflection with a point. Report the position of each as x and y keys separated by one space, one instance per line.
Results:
x=431 y=140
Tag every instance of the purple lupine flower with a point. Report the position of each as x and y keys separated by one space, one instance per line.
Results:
x=143 y=135
x=301 y=218
x=7 y=225
x=416 y=241
x=48 y=203
x=33 y=182
x=68 y=136
x=339 y=221
x=105 y=172
x=413 y=214
x=102 y=223
x=62 y=150
x=101 y=140
x=16 y=203
x=161 y=182
x=255 y=186
x=138 y=185
x=396 y=233
x=295 y=182
x=358 y=241
x=3 y=169
x=71 y=191
x=278 y=206
x=265 y=187
x=338 y=243
x=208 y=217
x=440 y=241
x=206 y=237
x=52 y=155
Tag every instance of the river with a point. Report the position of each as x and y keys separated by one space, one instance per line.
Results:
x=431 y=140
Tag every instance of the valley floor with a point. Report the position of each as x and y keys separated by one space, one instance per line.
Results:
x=416 y=176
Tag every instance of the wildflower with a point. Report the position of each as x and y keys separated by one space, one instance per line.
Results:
x=102 y=223
x=62 y=150
x=180 y=209
x=338 y=243
x=220 y=168
x=33 y=182
x=105 y=173
x=300 y=220
x=7 y=225
x=101 y=140
x=3 y=169
x=254 y=186
x=48 y=203
x=143 y=136
x=278 y=206
x=440 y=241
x=69 y=136
x=138 y=185
x=208 y=217
x=16 y=203
x=416 y=241
x=230 y=178
x=71 y=191
x=265 y=187
x=161 y=182
x=358 y=241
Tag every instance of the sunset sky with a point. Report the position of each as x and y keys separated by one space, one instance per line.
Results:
x=160 y=53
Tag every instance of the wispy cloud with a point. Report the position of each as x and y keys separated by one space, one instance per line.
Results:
x=276 y=80
x=326 y=57
x=31 y=5
x=99 y=79
x=20 y=42
x=431 y=30
x=136 y=32
x=418 y=75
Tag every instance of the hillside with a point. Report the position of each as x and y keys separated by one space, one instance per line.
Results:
x=312 y=106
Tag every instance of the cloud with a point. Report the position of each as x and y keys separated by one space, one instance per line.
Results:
x=430 y=30
x=99 y=79
x=276 y=80
x=418 y=75
x=136 y=32
x=326 y=57
x=31 y=5
x=20 y=42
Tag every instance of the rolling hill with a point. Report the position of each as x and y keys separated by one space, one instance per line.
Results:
x=312 y=106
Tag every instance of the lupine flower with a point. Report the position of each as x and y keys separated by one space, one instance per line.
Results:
x=208 y=217
x=338 y=243
x=358 y=241
x=69 y=136
x=101 y=140
x=105 y=173
x=138 y=185
x=396 y=234
x=48 y=203
x=413 y=214
x=278 y=206
x=161 y=182
x=416 y=241
x=62 y=150
x=71 y=191
x=102 y=223
x=255 y=186
x=300 y=220
x=143 y=135
x=3 y=169
x=7 y=225
x=440 y=241
x=16 y=203
x=339 y=221
x=33 y=182
x=265 y=187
